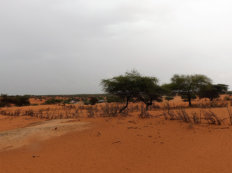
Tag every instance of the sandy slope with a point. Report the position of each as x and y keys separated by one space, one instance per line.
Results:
x=39 y=131
x=127 y=145
x=10 y=122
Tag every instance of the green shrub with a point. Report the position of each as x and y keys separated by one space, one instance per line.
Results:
x=93 y=100
x=52 y=101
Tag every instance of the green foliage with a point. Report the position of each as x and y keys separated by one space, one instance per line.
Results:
x=185 y=98
x=167 y=92
x=149 y=90
x=132 y=85
x=212 y=91
x=100 y=98
x=6 y=100
x=188 y=86
x=71 y=100
x=53 y=101
x=85 y=100
x=123 y=86
x=93 y=100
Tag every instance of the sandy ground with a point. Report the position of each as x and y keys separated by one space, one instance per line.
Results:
x=38 y=131
x=122 y=144
x=9 y=122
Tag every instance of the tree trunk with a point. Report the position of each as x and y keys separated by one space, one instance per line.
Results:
x=124 y=107
x=189 y=101
x=148 y=104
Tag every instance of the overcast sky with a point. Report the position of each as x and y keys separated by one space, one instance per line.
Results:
x=68 y=46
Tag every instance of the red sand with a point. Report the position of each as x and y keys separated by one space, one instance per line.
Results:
x=124 y=145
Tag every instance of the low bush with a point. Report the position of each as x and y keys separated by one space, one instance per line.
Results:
x=52 y=101
x=93 y=100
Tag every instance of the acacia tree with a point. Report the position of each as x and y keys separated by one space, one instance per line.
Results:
x=123 y=86
x=149 y=90
x=133 y=85
x=213 y=91
x=188 y=86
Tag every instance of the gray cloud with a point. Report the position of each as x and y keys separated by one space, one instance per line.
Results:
x=66 y=47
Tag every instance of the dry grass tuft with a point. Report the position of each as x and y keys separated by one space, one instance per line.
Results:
x=212 y=118
x=144 y=113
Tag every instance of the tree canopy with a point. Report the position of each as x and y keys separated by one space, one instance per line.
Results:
x=149 y=90
x=134 y=86
x=213 y=91
x=123 y=86
x=188 y=86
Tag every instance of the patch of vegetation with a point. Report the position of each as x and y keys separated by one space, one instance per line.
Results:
x=52 y=101
x=112 y=99
x=6 y=100
x=212 y=91
x=188 y=86
x=133 y=86
x=93 y=100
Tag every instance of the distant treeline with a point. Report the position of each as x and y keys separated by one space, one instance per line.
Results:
x=6 y=100
x=70 y=95
x=133 y=87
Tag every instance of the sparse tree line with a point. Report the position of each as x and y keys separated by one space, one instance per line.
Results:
x=132 y=86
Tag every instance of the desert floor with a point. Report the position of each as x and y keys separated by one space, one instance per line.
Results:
x=108 y=145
